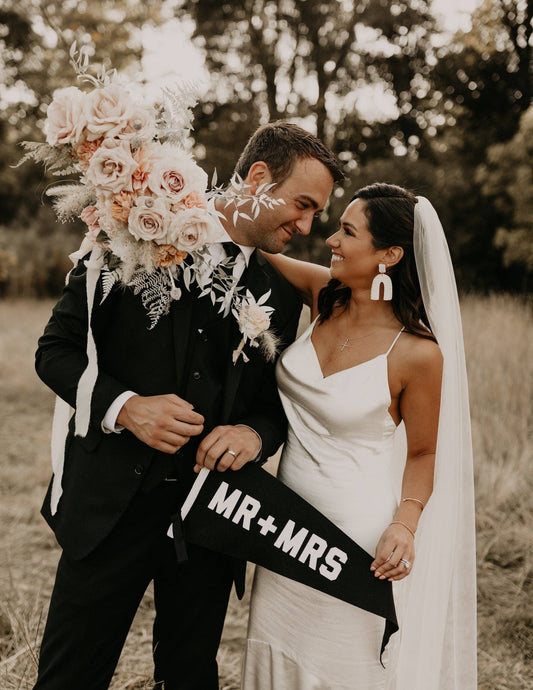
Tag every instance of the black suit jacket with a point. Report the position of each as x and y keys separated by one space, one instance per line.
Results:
x=102 y=471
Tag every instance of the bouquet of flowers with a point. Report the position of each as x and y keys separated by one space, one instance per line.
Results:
x=143 y=197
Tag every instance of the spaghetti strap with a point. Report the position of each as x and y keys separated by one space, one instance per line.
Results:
x=394 y=342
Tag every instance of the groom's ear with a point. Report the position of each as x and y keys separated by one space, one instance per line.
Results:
x=258 y=175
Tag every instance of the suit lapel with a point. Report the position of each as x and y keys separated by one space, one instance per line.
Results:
x=181 y=313
x=257 y=281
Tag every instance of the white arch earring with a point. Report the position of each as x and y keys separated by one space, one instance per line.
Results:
x=381 y=279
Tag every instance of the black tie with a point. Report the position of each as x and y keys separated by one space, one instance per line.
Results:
x=231 y=249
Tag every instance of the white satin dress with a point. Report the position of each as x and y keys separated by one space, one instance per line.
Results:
x=338 y=456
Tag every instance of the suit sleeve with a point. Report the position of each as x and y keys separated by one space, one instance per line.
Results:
x=267 y=416
x=61 y=355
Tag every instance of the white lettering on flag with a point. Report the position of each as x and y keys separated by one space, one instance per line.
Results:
x=288 y=542
x=268 y=525
x=246 y=511
x=334 y=570
x=314 y=549
x=222 y=504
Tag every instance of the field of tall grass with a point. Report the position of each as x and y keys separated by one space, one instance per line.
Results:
x=499 y=345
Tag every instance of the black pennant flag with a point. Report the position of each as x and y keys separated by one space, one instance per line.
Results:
x=251 y=515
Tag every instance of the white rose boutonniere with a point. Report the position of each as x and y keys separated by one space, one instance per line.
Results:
x=253 y=318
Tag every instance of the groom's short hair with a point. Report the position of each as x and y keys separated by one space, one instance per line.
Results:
x=280 y=144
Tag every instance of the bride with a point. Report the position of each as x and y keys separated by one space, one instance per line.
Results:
x=380 y=367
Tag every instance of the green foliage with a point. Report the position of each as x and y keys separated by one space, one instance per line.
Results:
x=310 y=58
x=507 y=180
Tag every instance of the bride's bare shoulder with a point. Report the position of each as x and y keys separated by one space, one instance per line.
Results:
x=419 y=354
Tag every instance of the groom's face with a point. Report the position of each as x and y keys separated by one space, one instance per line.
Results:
x=304 y=192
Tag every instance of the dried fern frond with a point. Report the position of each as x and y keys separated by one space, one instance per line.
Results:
x=58 y=161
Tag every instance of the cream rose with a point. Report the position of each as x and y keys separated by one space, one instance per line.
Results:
x=192 y=228
x=140 y=126
x=65 y=117
x=112 y=166
x=175 y=175
x=148 y=220
x=253 y=320
x=108 y=111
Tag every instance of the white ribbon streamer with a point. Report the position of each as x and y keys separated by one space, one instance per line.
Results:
x=86 y=383
x=87 y=380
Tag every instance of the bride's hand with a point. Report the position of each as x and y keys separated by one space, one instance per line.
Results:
x=395 y=554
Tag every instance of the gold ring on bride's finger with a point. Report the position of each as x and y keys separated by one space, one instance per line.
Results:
x=406 y=563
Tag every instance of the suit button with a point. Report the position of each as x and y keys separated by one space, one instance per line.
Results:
x=139 y=469
x=196 y=375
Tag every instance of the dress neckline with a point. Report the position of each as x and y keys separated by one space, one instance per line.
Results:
x=355 y=366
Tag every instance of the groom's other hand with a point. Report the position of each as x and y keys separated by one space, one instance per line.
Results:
x=228 y=447
x=164 y=422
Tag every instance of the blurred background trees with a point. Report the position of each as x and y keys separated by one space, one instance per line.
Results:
x=393 y=95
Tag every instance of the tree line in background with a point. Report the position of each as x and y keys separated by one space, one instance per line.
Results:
x=458 y=128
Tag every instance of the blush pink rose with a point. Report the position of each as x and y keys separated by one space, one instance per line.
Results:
x=175 y=175
x=108 y=111
x=148 y=220
x=192 y=228
x=65 y=117
x=89 y=216
x=112 y=166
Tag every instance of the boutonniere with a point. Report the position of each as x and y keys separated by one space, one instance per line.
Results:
x=253 y=318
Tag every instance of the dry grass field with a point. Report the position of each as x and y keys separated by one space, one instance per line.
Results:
x=499 y=344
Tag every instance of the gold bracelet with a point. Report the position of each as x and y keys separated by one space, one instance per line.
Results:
x=417 y=500
x=399 y=522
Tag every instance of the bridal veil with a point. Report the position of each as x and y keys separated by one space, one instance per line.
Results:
x=435 y=648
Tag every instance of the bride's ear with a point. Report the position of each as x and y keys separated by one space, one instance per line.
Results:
x=392 y=256
x=258 y=175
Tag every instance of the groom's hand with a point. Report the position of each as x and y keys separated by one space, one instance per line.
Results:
x=164 y=422
x=228 y=447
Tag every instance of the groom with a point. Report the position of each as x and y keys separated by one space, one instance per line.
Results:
x=165 y=398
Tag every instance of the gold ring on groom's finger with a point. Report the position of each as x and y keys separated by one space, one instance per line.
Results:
x=232 y=452
x=406 y=563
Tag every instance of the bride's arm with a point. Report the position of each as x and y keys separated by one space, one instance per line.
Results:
x=306 y=277
x=419 y=407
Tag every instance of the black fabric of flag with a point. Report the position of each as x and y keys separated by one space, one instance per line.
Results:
x=251 y=515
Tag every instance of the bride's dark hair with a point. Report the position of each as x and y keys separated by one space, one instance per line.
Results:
x=390 y=212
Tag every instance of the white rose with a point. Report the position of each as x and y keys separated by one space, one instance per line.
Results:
x=65 y=117
x=108 y=111
x=175 y=175
x=148 y=220
x=192 y=228
x=253 y=320
x=140 y=126
x=112 y=166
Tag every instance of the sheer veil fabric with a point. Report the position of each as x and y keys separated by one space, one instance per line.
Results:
x=436 y=645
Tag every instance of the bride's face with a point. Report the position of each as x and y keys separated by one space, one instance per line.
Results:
x=354 y=259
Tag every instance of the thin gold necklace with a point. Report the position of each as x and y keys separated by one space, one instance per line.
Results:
x=345 y=343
